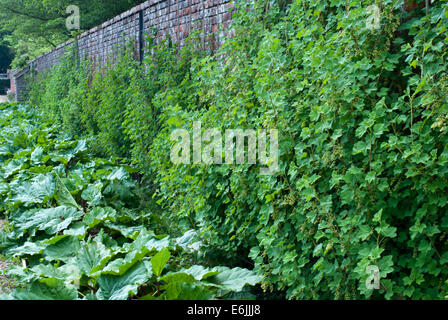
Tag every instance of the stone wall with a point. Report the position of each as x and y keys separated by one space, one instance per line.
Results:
x=176 y=19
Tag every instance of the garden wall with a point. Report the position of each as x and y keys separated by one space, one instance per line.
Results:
x=176 y=19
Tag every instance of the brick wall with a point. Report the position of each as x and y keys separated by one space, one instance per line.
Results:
x=176 y=19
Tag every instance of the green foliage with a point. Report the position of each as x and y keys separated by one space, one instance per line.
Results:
x=78 y=227
x=36 y=27
x=64 y=92
x=362 y=120
x=6 y=55
x=363 y=176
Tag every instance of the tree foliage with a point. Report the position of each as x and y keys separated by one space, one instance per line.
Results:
x=37 y=26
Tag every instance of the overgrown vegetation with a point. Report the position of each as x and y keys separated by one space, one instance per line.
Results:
x=33 y=27
x=80 y=229
x=362 y=117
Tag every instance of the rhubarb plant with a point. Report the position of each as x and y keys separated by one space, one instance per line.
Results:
x=79 y=231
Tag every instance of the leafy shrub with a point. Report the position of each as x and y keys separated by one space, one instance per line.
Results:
x=362 y=118
x=362 y=176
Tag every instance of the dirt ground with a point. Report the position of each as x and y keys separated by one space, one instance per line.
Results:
x=5 y=283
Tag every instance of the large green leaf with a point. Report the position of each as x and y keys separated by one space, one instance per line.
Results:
x=200 y=272
x=189 y=241
x=118 y=174
x=37 y=154
x=78 y=229
x=4 y=188
x=5 y=296
x=70 y=153
x=51 y=220
x=37 y=191
x=49 y=289
x=66 y=273
x=234 y=279
x=178 y=290
x=29 y=248
x=192 y=274
x=120 y=287
x=81 y=146
x=92 y=258
x=128 y=231
x=63 y=250
x=13 y=166
x=98 y=215
x=159 y=261
x=135 y=252
x=63 y=196
x=93 y=194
